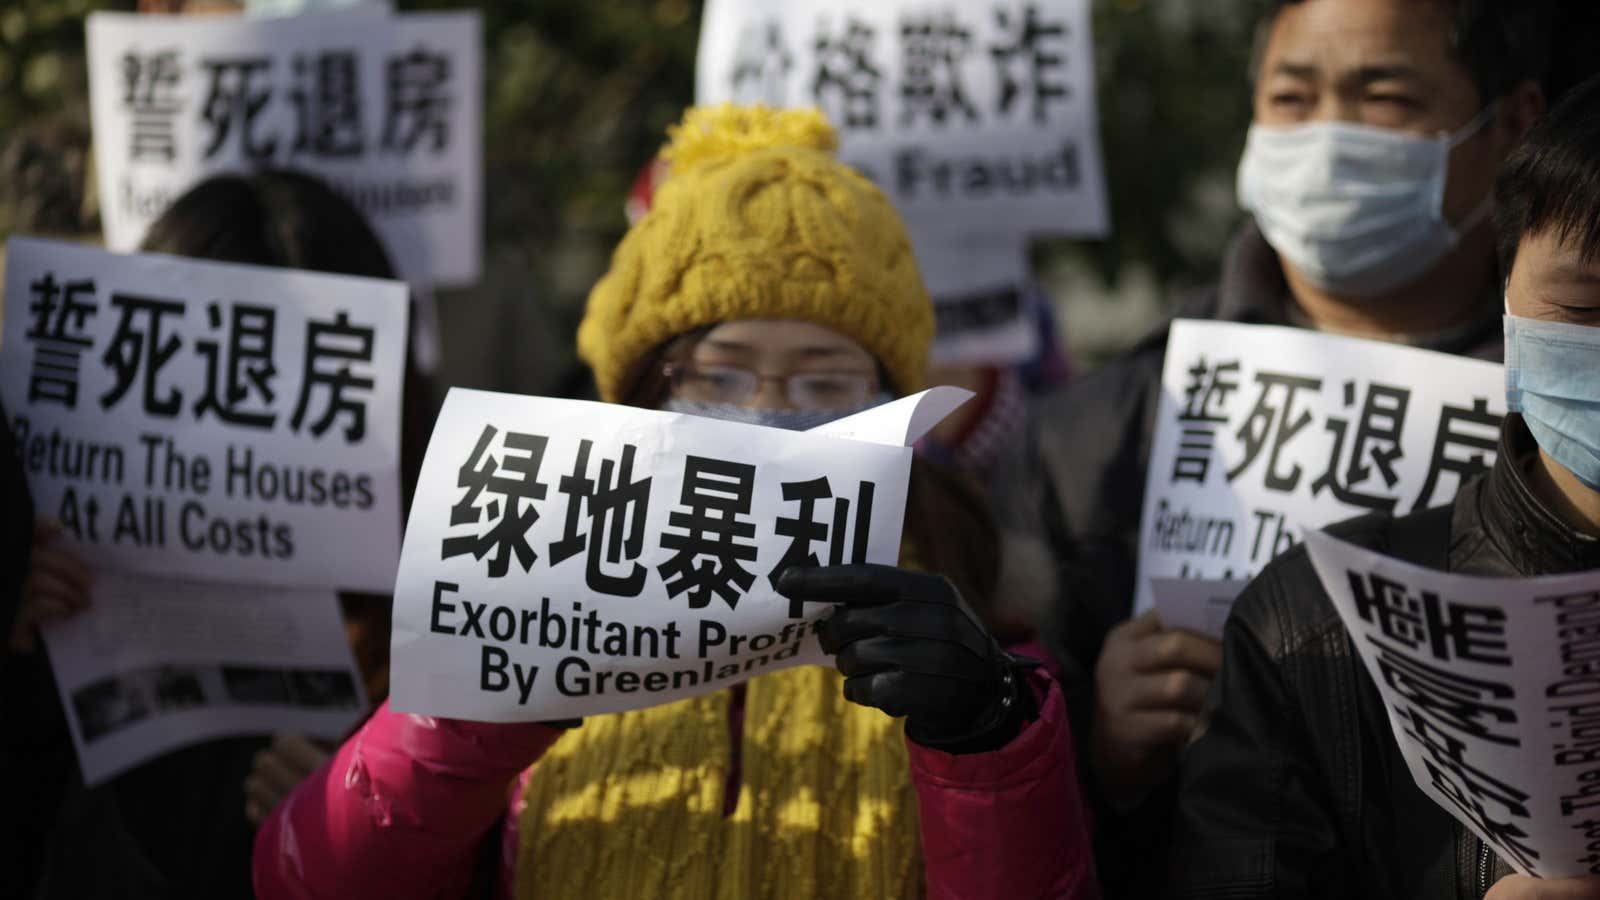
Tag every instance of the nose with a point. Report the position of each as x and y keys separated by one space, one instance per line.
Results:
x=769 y=394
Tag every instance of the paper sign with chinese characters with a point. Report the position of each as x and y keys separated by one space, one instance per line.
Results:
x=977 y=118
x=1264 y=432
x=1492 y=686
x=208 y=421
x=566 y=558
x=387 y=109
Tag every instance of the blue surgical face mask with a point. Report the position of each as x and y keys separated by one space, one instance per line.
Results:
x=787 y=419
x=1553 y=379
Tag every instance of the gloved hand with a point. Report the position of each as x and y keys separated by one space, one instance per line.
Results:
x=909 y=645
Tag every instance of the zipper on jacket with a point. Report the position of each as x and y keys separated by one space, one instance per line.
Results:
x=1483 y=868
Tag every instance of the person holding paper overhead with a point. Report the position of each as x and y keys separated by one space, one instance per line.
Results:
x=1298 y=788
x=1378 y=126
x=771 y=284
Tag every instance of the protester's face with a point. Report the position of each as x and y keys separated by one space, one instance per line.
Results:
x=777 y=364
x=1551 y=280
x=1383 y=63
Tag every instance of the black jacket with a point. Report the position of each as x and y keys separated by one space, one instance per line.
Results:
x=1094 y=442
x=1297 y=787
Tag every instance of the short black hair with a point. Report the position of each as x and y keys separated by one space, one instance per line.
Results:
x=1501 y=43
x=271 y=217
x=1552 y=179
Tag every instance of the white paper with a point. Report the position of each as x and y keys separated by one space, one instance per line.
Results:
x=977 y=118
x=156 y=664
x=1492 y=687
x=1237 y=474
x=387 y=109
x=135 y=445
x=1195 y=605
x=514 y=644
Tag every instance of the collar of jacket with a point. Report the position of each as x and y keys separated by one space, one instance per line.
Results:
x=1534 y=539
x=1252 y=290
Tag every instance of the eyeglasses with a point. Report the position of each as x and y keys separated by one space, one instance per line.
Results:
x=803 y=390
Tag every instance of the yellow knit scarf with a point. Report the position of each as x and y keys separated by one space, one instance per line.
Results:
x=631 y=805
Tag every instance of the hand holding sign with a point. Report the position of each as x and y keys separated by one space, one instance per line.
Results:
x=57 y=586
x=908 y=644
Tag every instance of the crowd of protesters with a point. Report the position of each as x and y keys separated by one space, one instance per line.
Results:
x=1417 y=172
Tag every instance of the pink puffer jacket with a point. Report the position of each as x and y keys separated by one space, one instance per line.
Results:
x=401 y=811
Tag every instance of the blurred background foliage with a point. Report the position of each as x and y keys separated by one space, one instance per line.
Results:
x=579 y=94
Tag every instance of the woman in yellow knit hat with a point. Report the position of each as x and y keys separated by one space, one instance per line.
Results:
x=772 y=284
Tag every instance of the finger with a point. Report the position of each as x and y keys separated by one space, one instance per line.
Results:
x=298 y=753
x=258 y=792
x=854 y=585
x=254 y=813
x=46 y=587
x=45 y=530
x=65 y=566
x=920 y=621
x=1176 y=689
x=875 y=655
x=1136 y=628
x=42 y=605
x=1157 y=731
x=1176 y=649
x=277 y=775
x=891 y=692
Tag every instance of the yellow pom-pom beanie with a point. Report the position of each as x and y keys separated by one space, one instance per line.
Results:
x=758 y=220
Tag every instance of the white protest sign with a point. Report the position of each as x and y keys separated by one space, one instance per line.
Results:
x=208 y=421
x=566 y=558
x=1193 y=604
x=1492 y=687
x=387 y=109
x=1263 y=432
x=978 y=118
x=156 y=664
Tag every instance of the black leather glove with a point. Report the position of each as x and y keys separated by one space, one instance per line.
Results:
x=909 y=645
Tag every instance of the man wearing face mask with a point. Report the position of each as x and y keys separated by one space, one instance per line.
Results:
x=1378 y=127
x=1297 y=787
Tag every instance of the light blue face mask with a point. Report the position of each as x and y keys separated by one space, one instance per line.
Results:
x=787 y=419
x=1553 y=379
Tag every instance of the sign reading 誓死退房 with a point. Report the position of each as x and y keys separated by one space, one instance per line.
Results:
x=386 y=108
x=208 y=421
x=977 y=118
x=566 y=558
x=1492 y=688
x=1263 y=432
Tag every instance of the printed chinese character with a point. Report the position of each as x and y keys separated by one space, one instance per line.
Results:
x=1474 y=429
x=1469 y=788
x=512 y=514
x=761 y=65
x=248 y=370
x=932 y=48
x=845 y=70
x=1471 y=707
x=1377 y=440
x=327 y=104
x=805 y=529
x=617 y=508
x=134 y=350
x=1277 y=423
x=707 y=548
x=59 y=341
x=418 y=106
x=149 y=91
x=234 y=101
x=1449 y=630
x=1038 y=79
x=344 y=343
x=1204 y=408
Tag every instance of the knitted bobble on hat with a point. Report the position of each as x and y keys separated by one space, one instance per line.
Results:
x=758 y=220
